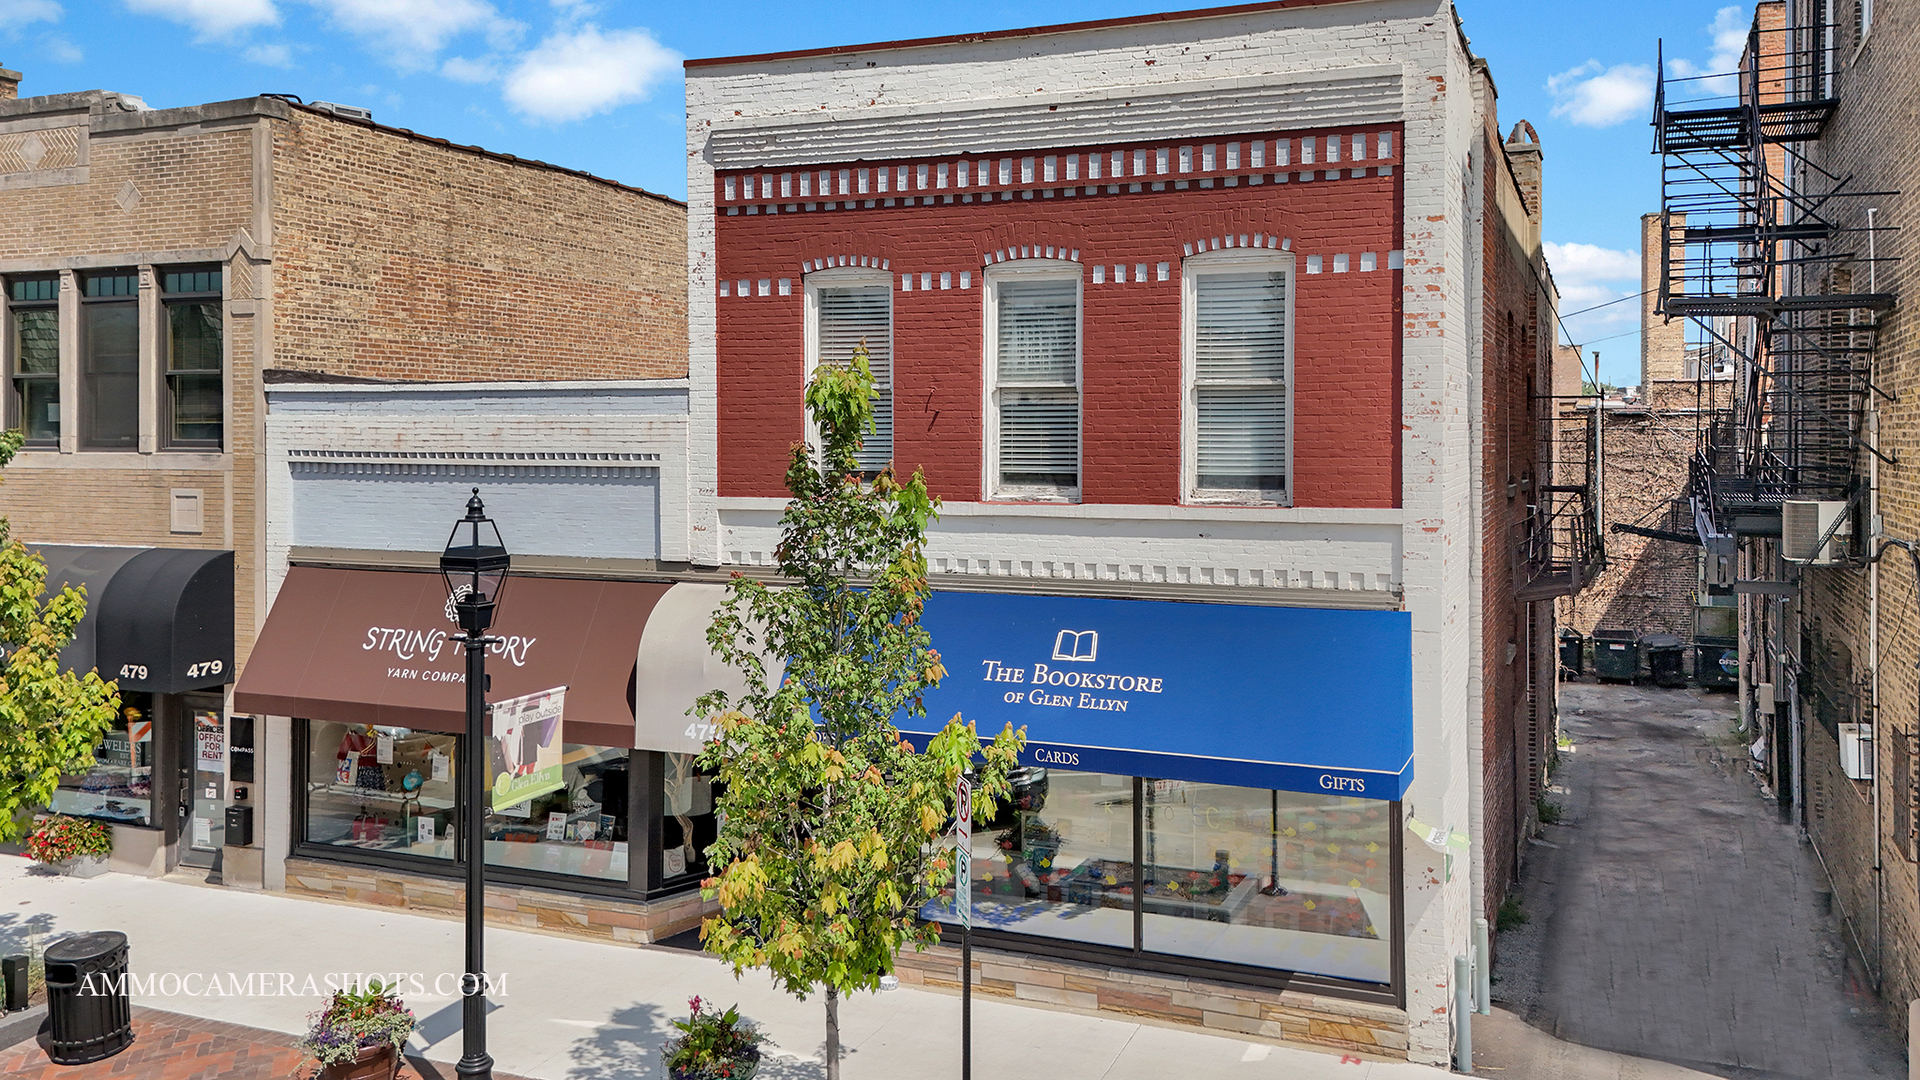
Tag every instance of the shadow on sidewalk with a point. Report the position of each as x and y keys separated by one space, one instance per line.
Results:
x=628 y=1048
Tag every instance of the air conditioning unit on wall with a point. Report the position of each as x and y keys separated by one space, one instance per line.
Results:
x=1856 y=751
x=1804 y=522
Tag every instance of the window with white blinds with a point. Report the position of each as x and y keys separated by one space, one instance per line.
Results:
x=1239 y=388
x=1035 y=370
x=848 y=315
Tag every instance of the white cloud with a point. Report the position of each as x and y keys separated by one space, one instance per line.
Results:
x=412 y=31
x=1589 y=275
x=22 y=12
x=212 y=18
x=278 y=56
x=461 y=69
x=64 y=51
x=1728 y=33
x=1591 y=96
x=576 y=74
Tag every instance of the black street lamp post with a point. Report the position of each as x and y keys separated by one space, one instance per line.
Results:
x=475 y=567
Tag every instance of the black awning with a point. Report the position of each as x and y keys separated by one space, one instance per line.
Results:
x=158 y=619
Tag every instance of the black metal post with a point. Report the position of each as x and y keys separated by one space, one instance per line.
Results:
x=474 y=1061
x=966 y=1000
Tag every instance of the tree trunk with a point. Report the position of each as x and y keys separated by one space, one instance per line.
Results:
x=833 y=1034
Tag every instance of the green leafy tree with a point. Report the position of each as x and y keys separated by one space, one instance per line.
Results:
x=50 y=720
x=831 y=824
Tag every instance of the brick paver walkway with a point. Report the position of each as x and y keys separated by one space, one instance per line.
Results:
x=169 y=1046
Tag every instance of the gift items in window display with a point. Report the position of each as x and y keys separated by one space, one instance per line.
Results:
x=119 y=786
x=381 y=788
x=578 y=827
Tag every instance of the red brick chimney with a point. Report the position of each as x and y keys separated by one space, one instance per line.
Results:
x=9 y=84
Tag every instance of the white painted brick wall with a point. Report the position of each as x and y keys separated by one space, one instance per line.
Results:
x=1435 y=554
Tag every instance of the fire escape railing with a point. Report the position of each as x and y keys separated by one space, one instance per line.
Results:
x=1777 y=258
x=1557 y=547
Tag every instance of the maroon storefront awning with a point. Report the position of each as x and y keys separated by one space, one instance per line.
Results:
x=377 y=647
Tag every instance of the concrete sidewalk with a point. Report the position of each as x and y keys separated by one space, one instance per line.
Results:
x=579 y=1010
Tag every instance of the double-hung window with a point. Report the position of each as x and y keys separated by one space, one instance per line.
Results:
x=110 y=360
x=33 y=348
x=846 y=310
x=1033 y=381
x=195 y=411
x=1238 y=310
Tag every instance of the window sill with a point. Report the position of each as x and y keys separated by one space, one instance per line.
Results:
x=48 y=457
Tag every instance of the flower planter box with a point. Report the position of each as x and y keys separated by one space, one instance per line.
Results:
x=375 y=1063
x=83 y=866
x=743 y=1069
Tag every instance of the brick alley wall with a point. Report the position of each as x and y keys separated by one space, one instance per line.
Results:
x=1517 y=359
x=1648 y=585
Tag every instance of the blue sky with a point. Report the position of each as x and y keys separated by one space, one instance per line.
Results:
x=597 y=85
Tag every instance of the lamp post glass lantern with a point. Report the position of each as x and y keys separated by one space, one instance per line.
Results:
x=475 y=566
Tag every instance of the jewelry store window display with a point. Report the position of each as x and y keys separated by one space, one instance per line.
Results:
x=119 y=787
x=579 y=828
x=381 y=788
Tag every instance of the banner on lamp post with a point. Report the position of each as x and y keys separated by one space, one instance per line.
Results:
x=524 y=751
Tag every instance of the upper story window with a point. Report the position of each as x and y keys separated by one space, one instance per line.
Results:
x=110 y=360
x=1033 y=381
x=845 y=309
x=1238 y=309
x=33 y=349
x=195 y=396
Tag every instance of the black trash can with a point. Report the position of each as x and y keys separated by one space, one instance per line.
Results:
x=1616 y=655
x=1573 y=648
x=88 y=1015
x=1666 y=659
x=1716 y=662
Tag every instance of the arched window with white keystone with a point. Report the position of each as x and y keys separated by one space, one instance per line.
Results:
x=1033 y=381
x=1237 y=357
x=845 y=307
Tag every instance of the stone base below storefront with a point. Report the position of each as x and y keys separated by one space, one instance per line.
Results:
x=599 y=917
x=1280 y=1015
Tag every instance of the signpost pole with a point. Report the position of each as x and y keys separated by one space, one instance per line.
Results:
x=963 y=904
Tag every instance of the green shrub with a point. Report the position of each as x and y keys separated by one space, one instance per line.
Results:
x=1510 y=914
x=1550 y=812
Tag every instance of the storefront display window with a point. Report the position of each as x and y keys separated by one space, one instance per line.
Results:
x=580 y=828
x=1058 y=863
x=381 y=788
x=1269 y=878
x=119 y=787
x=1245 y=876
x=687 y=824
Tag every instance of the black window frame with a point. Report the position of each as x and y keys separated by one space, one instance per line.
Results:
x=644 y=882
x=170 y=297
x=1140 y=958
x=87 y=425
x=16 y=393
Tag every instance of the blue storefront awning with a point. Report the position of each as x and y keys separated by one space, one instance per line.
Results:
x=1293 y=699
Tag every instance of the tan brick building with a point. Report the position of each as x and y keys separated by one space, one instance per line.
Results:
x=163 y=266
x=1815 y=480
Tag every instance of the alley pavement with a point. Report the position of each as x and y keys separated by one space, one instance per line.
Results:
x=1674 y=913
x=583 y=1010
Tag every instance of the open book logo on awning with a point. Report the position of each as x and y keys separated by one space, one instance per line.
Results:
x=1076 y=645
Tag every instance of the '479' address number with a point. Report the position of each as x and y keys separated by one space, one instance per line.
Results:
x=211 y=667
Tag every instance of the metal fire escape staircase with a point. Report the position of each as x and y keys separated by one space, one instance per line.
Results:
x=1558 y=549
x=1768 y=252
